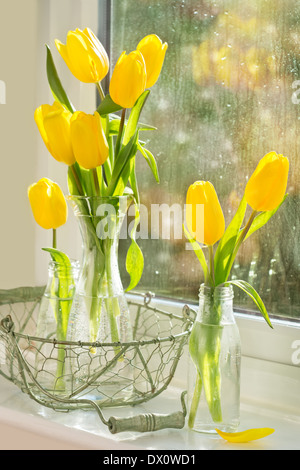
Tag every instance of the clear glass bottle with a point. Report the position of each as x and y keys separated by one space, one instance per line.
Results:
x=52 y=322
x=214 y=369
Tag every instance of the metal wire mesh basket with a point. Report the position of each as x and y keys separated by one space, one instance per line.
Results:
x=148 y=362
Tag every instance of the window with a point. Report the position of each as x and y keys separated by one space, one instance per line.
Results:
x=229 y=93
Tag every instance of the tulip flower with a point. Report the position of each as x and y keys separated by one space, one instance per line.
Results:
x=154 y=52
x=88 y=140
x=53 y=122
x=267 y=185
x=210 y=228
x=48 y=204
x=128 y=80
x=84 y=55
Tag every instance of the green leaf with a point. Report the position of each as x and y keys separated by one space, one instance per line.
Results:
x=150 y=159
x=200 y=255
x=134 y=258
x=55 y=83
x=59 y=257
x=114 y=126
x=121 y=171
x=134 y=116
x=246 y=287
x=133 y=181
x=225 y=249
x=262 y=218
x=146 y=127
x=108 y=106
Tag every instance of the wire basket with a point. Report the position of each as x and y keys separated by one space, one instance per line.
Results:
x=151 y=358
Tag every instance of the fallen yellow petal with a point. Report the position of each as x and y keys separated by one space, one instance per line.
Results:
x=246 y=436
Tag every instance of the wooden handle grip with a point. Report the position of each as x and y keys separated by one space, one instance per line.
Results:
x=146 y=422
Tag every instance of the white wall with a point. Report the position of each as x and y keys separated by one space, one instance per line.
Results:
x=18 y=59
x=25 y=28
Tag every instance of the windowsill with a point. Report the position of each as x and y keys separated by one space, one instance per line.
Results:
x=269 y=398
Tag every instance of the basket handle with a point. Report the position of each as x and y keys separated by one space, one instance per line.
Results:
x=148 y=422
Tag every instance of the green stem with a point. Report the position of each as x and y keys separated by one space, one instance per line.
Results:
x=195 y=401
x=121 y=128
x=205 y=348
x=211 y=264
x=100 y=90
x=111 y=150
x=102 y=96
x=114 y=308
x=242 y=238
x=62 y=310
x=77 y=180
x=54 y=238
x=96 y=181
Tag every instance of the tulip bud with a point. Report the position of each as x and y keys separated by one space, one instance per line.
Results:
x=267 y=185
x=154 y=52
x=84 y=55
x=210 y=228
x=48 y=204
x=88 y=139
x=53 y=122
x=128 y=80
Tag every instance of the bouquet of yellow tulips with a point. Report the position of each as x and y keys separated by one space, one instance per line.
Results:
x=99 y=150
x=264 y=193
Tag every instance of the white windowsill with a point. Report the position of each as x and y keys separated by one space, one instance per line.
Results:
x=270 y=386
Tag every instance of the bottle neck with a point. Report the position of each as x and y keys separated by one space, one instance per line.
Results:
x=215 y=305
x=62 y=279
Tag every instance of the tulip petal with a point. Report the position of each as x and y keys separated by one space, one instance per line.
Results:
x=204 y=216
x=84 y=55
x=267 y=185
x=39 y=114
x=245 y=436
x=153 y=51
x=128 y=80
x=78 y=56
x=88 y=140
x=57 y=127
x=48 y=204
x=53 y=122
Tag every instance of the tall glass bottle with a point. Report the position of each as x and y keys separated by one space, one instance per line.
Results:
x=100 y=313
x=215 y=350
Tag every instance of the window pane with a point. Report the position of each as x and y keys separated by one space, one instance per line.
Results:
x=228 y=94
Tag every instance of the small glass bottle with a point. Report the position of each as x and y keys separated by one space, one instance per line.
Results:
x=214 y=375
x=52 y=322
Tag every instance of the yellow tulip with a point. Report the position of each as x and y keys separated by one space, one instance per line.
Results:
x=48 y=204
x=245 y=436
x=84 y=55
x=128 y=80
x=53 y=122
x=208 y=227
x=267 y=185
x=154 y=52
x=88 y=140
